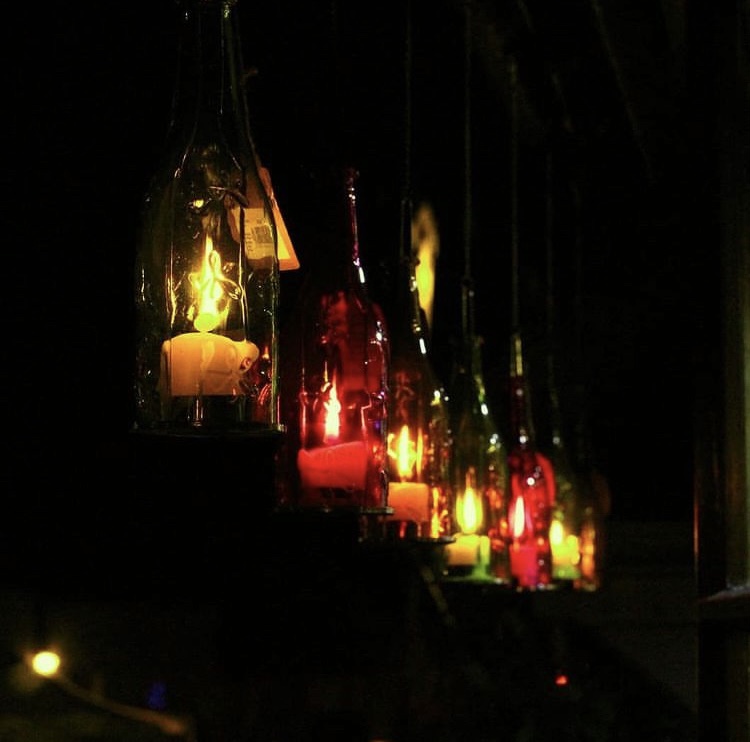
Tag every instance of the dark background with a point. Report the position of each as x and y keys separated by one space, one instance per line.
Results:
x=87 y=106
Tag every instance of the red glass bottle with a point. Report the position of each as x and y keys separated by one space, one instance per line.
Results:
x=337 y=377
x=532 y=485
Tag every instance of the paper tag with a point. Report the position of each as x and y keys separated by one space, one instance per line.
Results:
x=259 y=242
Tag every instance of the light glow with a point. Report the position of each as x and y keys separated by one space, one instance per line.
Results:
x=426 y=240
x=519 y=518
x=556 y=533
x=46 y=663
x=332 y=415
x=469 y=511
x=210 y=289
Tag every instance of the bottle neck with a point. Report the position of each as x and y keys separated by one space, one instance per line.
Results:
x=336 y=264
x=209 y=95
x=520 y=402
x=408 y=317
x=352 y=224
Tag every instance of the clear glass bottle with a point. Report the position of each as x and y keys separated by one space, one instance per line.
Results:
x=479 y=468
x=207 y=271
x=419 y=436
x=532 y=482
x=336 y=371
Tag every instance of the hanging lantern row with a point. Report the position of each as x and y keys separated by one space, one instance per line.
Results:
x=367 y=426
x=426 y=467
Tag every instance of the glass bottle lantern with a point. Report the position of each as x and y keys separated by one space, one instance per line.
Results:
x=419 y=437
x=532 y=485
x=207 y=271
x=336 y=409
x=479 y=474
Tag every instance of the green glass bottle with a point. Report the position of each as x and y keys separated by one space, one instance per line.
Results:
x=479 y=469
x=207 y=271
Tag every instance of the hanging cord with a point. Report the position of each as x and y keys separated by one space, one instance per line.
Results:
x=405 y=249
x=467 y=304
x=515 y=298
x=578 y=266
x=551 y=317
x=548 y=249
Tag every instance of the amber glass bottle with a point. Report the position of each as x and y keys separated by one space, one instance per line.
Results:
x=419 y=436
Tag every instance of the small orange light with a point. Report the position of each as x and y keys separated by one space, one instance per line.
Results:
x=561 y=679
x=332 y=420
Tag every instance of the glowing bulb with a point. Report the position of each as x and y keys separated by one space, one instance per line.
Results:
x=45 y=663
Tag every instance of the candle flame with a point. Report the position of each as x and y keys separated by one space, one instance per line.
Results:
x=519 y=517
x=212 y=290
x=332 y=415
x=469 y=511
x=405 y=452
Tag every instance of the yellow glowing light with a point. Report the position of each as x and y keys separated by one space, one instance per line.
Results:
x=45 y=663
x=403 y=450
x=565 y=547
x=210 y=288
x=556 y=533
x=426 y=241
x=469 y=511
x=332 y=416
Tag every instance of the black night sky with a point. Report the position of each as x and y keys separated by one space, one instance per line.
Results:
x=89 y=95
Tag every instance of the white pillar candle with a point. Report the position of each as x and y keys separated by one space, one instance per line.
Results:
x=206 y=363
x=468 y=550
x=343 y=466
